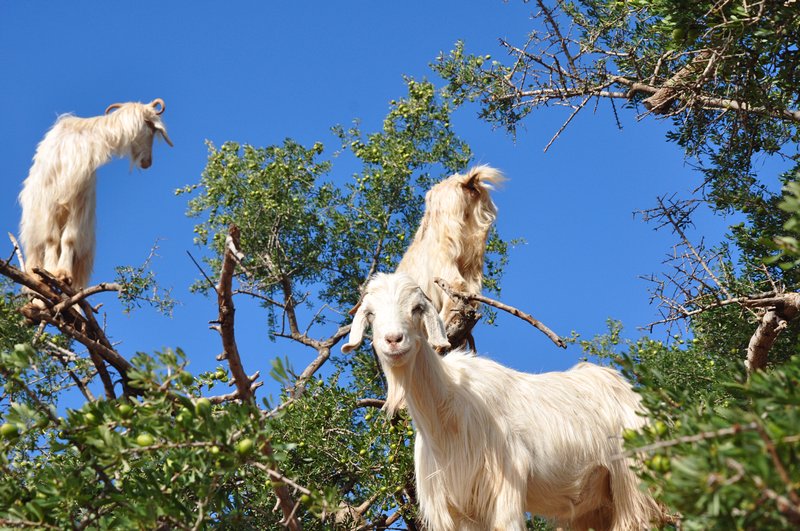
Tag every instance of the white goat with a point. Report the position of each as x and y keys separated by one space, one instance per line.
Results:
x=451 y=239
x=57 y=230
x=493 y=443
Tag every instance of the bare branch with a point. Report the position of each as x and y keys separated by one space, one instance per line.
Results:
x=499 y=305
x=244 y=386
x=566 y=123
x=371 y=402
x=86 y=292
x=202 y=271
x=18 y=251
x=226 y=317
x=697 y=437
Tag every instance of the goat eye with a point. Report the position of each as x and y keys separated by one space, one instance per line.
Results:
x=369 y=316
x=419 y=308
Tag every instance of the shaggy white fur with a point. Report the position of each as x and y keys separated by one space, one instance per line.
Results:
x=57 y=230
x=451 y=239
x=493 y=443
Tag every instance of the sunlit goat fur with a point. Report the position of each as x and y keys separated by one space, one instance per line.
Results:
x=57 y=230
x=451 y=239
x=493 y=443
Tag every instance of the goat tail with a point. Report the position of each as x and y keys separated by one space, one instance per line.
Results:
x=485 y=176
x=634 y=508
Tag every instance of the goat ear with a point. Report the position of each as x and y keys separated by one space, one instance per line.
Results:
x=472 y=181
x=158 y=126
x=437 y=336
x=356 y=330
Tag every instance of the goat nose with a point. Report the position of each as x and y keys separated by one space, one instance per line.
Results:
x=393 y=339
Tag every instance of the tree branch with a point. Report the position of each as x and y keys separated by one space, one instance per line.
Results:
x=244 y=386
x=86 y=292
x=18 y=251
x=780 y=311
x=456 y=295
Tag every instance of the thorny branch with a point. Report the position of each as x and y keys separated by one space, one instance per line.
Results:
x=567 y=62
x=694 y=287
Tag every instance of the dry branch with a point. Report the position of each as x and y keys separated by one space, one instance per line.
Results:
x=456 y=295
x=780 y=311
x=18 y=251
x=661 y=101
x=244 y=386
x=57 y=307
x=698 y=289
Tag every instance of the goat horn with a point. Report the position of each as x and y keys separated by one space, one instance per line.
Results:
x=156 y=102
x=356 y=307
x=166 y=138
x=112 y=107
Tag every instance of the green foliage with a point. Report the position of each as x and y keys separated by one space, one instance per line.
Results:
x=298 y=228
x=728 y=464
x=695 y=366
x=139 y=286
x=788 y=246
x=272 y=194
x=718 y=450
x=13 y=329
x=139 y=463
x=356 y=453
x=41 y=366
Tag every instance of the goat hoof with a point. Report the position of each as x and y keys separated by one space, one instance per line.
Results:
x=63 y=276
x=31 y=311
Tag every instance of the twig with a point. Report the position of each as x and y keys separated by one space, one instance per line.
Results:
x=370 y=402
x=274 y=474
x=506 y=308
x=697 y=437
x=65 y=356
x=567 y=122
x=202 y=272
x=219 y=399
x=17 y=250
x=779 y=467
x=788 y=507
x=86 y=292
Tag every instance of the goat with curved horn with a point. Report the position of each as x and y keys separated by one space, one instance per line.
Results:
x=57 y=229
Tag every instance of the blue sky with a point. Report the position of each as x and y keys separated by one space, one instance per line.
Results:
x=259 y=72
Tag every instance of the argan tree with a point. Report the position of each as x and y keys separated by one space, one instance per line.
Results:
x=156 y=447
x=723 y=452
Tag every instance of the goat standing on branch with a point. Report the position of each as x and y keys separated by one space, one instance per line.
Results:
x=493 y=443
x=57 y=230
x=451 y=239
